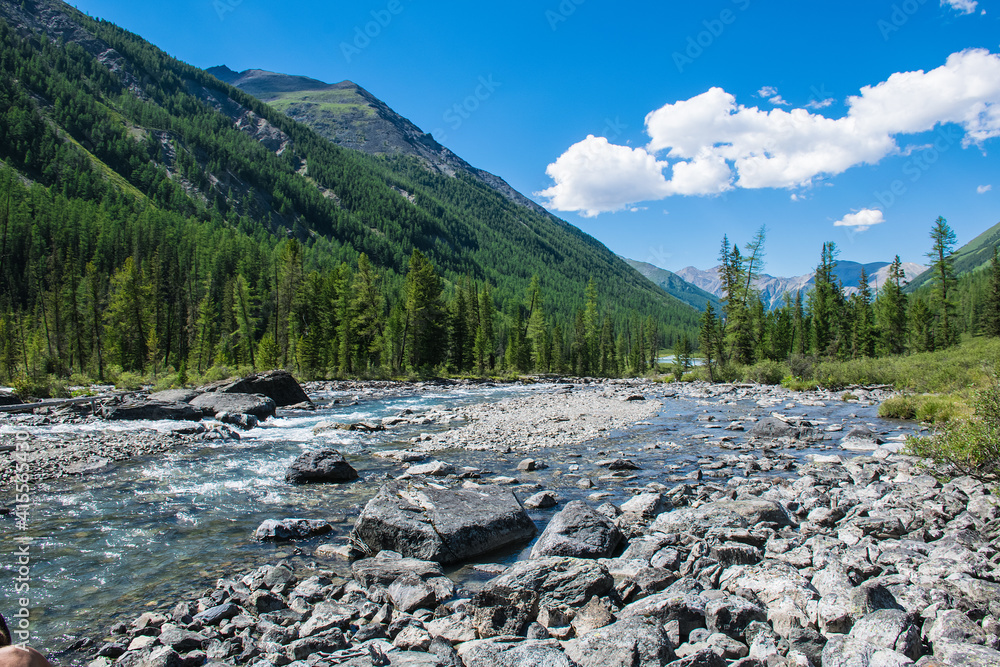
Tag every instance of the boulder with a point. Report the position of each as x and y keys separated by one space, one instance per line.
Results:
x=626 y=643
x=578 y=531
x=721 y=514
x=211 y=403
x=847 y=651
x=151 y=409
x=731 y=615
x=175 y=395
x=7 y=398
x=772 y=427
x=541 y=500
x=273 y=530
x=687 y=609
x=388 y=566
x=889 y=628
x=238 y=419
x=443 y=525
x=511 y=652
x=558 y=581
x=278 y=385
x=323 y=465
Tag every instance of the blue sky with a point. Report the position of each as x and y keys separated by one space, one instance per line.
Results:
x=879 y=115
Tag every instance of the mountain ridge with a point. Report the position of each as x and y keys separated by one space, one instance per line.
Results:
x=773 y=288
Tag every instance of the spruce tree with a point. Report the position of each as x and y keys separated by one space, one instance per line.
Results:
x=991 y=316
x=942 y=265
x=890 y=312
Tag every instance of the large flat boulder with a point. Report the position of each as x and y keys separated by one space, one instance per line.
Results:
x=558 y=581
x=442 y=525
x=211 y=403
x=152 y=409
x=277 y=385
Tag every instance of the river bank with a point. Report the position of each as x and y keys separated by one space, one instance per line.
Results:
x=691 y=445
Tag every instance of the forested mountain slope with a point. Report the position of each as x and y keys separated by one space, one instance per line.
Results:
x=134 y=170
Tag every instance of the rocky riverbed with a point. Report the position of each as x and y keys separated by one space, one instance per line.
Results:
x=806 y=539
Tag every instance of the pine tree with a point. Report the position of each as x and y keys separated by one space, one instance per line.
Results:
x=863 y=339
x=824 y=302
x=942 y=265
x=708 y=339
x=425 y=338
x=890 y=312
x=243 y=310
x=991 y=316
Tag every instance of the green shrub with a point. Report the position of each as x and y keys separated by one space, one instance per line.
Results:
x=765 y=372
x=967 y=445
x=938 y=409
x=798 y=384
x=898 y=407
x=848 y=396
x=801 y=365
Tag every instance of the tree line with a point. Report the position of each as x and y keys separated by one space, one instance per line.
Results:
x=829 y=324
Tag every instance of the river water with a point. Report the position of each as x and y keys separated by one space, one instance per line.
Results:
x=158 y=529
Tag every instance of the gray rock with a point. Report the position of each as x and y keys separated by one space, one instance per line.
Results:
x=504 y=652
x=952 y=625
x=721 y=514
x=578 y=531
x=157 y=656
x=238 y=419
x=557 y=581
x=211 y=403
x=326 y=616
x=324 y=465
x=278 y=385
x=687 y=609
x=595 y=614
x=847 y=651
x=542 y=500
x=889 y=628
x=771 y=428
x=175 y=395
x=409 y=593
x=327 y=642
x=706 y=657
x=284 y=530
x=632 y=642
x=388 y=566
x=153 y=410
x=731 y=615
x=443 y=525
x=955 y=653
x=499 y=612
x=217 y=614
x=181 y=640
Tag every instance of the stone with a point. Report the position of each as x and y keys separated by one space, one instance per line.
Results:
x=578 y=531
x=153 y=410
x=238 y=419
x=632 y=642
x=323 y=465
x=721 y=514
x=181 y=640
x=326 y=616
x=456 y=628
x=731 y=615
x=595 y=614
x=412 y=638
x=175 y=395
x=272 y=530
x=558 y=581
x=688 y=609
x=773 y=428
x=955 y=653
x=442 y=525
x=541 y=500
x=388 y=566
x=847 y=651
x=409 y=593
x=211 y=403
x=500 y=612
x=432 y=469
x=278 y=385
x=889 y=628
x=508 y=652
x=327 y=642
x=952 y=625
x=647 y=505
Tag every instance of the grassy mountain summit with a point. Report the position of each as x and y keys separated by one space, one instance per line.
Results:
x=351 y=117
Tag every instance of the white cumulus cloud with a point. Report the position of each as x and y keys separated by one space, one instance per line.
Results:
x=964 y=6
x=983 y=189
x=861 y=220
x=709 y=143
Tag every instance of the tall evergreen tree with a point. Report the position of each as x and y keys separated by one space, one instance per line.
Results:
x=890 y=312
x=991 y=316
x=942 y=264
x=863 y=338
x=425 y=337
